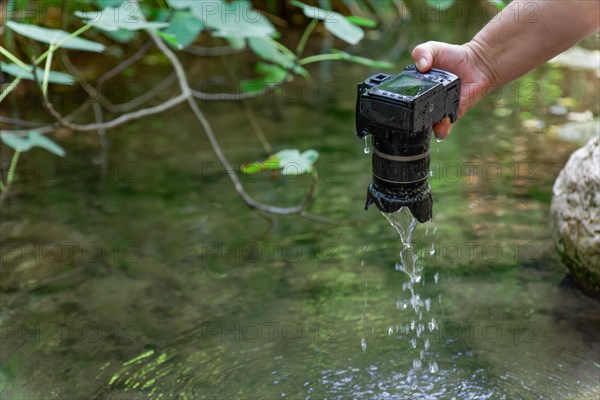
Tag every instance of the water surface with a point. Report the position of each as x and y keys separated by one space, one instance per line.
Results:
x=158 y=282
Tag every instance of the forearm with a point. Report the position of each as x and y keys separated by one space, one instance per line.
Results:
x=528 y=33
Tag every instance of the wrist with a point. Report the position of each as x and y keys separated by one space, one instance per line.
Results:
x=483 y=64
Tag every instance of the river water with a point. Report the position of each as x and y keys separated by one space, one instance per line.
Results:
x=156 y=281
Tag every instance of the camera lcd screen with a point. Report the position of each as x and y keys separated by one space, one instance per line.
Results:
x=407 y=85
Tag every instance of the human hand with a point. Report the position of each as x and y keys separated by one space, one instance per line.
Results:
x=461 y=61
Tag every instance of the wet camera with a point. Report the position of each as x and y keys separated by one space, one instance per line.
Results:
x=399 y=111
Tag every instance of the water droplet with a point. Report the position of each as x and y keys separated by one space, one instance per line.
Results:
x=367 y=148
x=436 y=277
x=433 y=367
x=426 y=344
x=432 y=249
x=416 y=364
x=413 y=343
x=363 y=344
x=427 y=304
x=432 y=325
x=420 y=329
x=390 y=331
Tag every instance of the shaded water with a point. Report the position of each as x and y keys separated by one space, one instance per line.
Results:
x=157 y=282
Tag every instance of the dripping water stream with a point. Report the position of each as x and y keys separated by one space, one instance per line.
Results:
x=422 y=320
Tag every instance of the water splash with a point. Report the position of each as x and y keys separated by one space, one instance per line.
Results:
x=403 y=221
x=414 y=332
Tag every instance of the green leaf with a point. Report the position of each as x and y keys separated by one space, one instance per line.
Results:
x=311 y=11
x=441 y=4
x=121 y=35
x=362 y=21
x=339 y=26
x=54 y=36
x=236 y=42
x=363 y=60
x=109 y=3
x=289 y=161
x=39 y=140
x=234 y=19
x=15 y=142
x=33 y=139
x=182 y=4
x=270 y=164
x=335 y=23
x=54 y=77
x=266 y=49
x=127 y=16
x=250 y=86
x=272 y=74
x=185 y=27
x=292 y=162
x=499 y=3
x=170 y=39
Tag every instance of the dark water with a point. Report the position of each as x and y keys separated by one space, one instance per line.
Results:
x=158 y=282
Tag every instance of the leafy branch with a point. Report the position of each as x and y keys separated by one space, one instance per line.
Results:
x=186 y=22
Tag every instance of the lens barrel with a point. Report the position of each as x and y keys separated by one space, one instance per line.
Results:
x=400 y=171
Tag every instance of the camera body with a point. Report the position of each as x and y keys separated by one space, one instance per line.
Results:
x=399 y=111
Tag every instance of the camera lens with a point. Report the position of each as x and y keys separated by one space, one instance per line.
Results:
x=400 y=171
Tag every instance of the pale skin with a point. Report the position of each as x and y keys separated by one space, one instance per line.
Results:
x=526 y=34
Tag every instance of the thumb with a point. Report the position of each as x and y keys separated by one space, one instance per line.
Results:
x=425 y=54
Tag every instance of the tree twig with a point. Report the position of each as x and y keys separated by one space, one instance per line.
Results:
x=183 y=84
x=123 y=65
x=119 y=120
x=234 y=96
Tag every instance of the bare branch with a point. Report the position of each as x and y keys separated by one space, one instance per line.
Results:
x=20 y=122
x=47 y=127
x=149 y=95
x=183 y=84
x=123 y=65
x=233 y=96
x=117 y=121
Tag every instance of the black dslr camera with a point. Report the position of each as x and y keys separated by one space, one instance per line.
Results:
x=398 y=111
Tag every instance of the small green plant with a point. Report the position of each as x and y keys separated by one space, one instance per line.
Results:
x=21 y=145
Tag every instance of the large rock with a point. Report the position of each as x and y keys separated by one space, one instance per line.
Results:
x=575 y=216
